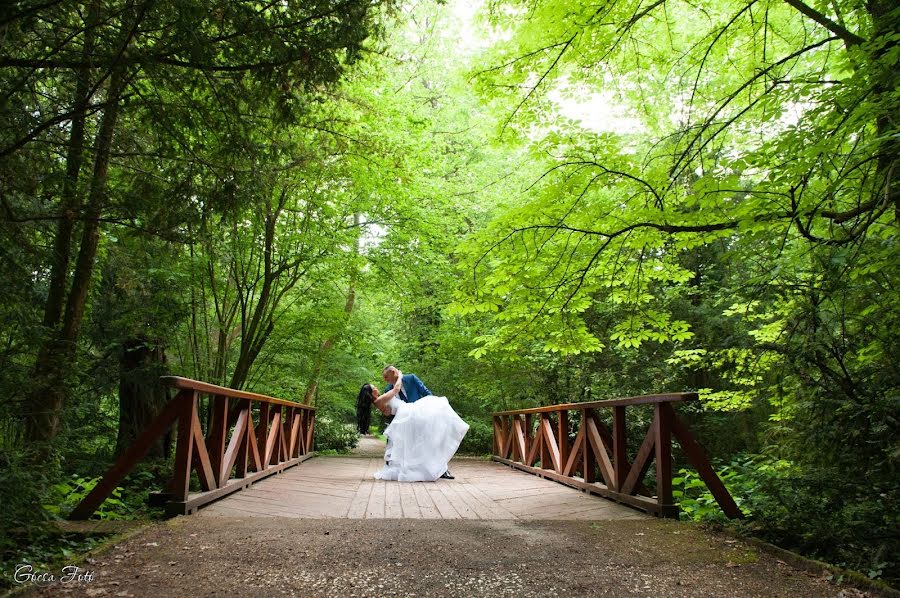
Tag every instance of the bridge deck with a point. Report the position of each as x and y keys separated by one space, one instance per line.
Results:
x=343 y=487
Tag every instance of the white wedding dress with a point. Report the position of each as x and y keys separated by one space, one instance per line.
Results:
x=422 y=438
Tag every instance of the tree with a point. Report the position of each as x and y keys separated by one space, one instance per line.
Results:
x=142 y=56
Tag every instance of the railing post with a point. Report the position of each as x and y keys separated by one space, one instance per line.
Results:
x=543 y=429
x=262 y=432
x=662 y=423
x=497 y=442
x=562 y=433
x=243 y=455
x=508 y=440
x=311 y=426
x=294 y=444
x=215 y=445
x=588 y=459
x=620 y=458
x=527 y=433
x=301 y=432
x=184 y=450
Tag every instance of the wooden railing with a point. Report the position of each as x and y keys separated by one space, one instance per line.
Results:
x=521 y=443
x=250 y=436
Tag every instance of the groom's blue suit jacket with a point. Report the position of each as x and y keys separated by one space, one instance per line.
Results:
x=413 y=388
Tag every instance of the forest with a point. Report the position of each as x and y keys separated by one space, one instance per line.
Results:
x=524 y=203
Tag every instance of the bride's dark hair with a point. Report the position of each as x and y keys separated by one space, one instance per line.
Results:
x=364 y=408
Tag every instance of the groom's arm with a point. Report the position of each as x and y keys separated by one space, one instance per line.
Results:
x=423 y=390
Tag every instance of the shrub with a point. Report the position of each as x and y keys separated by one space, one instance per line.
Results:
x=478 y=440
x=333 y=435
x=785 y=502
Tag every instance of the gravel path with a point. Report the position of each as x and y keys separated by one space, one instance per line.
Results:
x=193 y=556
x=369 y=446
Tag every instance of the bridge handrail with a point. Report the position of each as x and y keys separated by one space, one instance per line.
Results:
x=521 y=444
x=223 y=391
x=672 y=397
x=249 y=434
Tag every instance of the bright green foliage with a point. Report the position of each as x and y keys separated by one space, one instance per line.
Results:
x=544 y=202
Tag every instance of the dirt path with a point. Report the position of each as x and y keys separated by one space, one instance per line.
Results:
x=195 y=556
x=369 y=446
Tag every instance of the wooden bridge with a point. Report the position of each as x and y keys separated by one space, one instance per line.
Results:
x=534 y=520
x=249 y=437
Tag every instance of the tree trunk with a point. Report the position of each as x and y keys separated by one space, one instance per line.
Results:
x=69 y=201
x=141 y=396
x=256 y=331
x=886 y=80
x=48 y=395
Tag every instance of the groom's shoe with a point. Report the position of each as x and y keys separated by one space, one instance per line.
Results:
x=447 y=475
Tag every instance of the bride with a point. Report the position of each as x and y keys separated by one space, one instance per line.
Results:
x=422 y=437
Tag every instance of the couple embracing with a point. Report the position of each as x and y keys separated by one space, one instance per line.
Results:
x=424 y=433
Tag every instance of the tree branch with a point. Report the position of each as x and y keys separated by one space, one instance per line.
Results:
x=850 y=38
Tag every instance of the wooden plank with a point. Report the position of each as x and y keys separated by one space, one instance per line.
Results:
x=444 y=507
x=519 y=439
x=529 y=442
x=508 y=436
x=459 y=503
x=238 y=438
x=262 y=433
x=360 y=503
x=408 y=501
x=294 y=449
x=310 y=428
x=198 y=499
x=201 y=457
x=283 y=434
x=562 y=439
x=489 y=508
x=532 y=445
x=184 y=448
x=662 y=426
x=551 y=448
x=599 y=449
x=129 y=459
x=641 y=463
x=295 y=491
x=541 y=489
x=243 y=455
x=252 y=443
x=427 y=508
x=575 y=453
x=393 y=508
x=674 y=397
x=376 y=506
x=619 y=446
x=641 y=502
x=697 y=457
x=272 y=438
x=588 y=459
x=215 y=444
x=204 y=387
x=541 y=435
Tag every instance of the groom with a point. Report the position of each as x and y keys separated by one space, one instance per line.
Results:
x=413 y=390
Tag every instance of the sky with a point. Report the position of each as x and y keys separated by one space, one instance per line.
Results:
x=596 y=110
